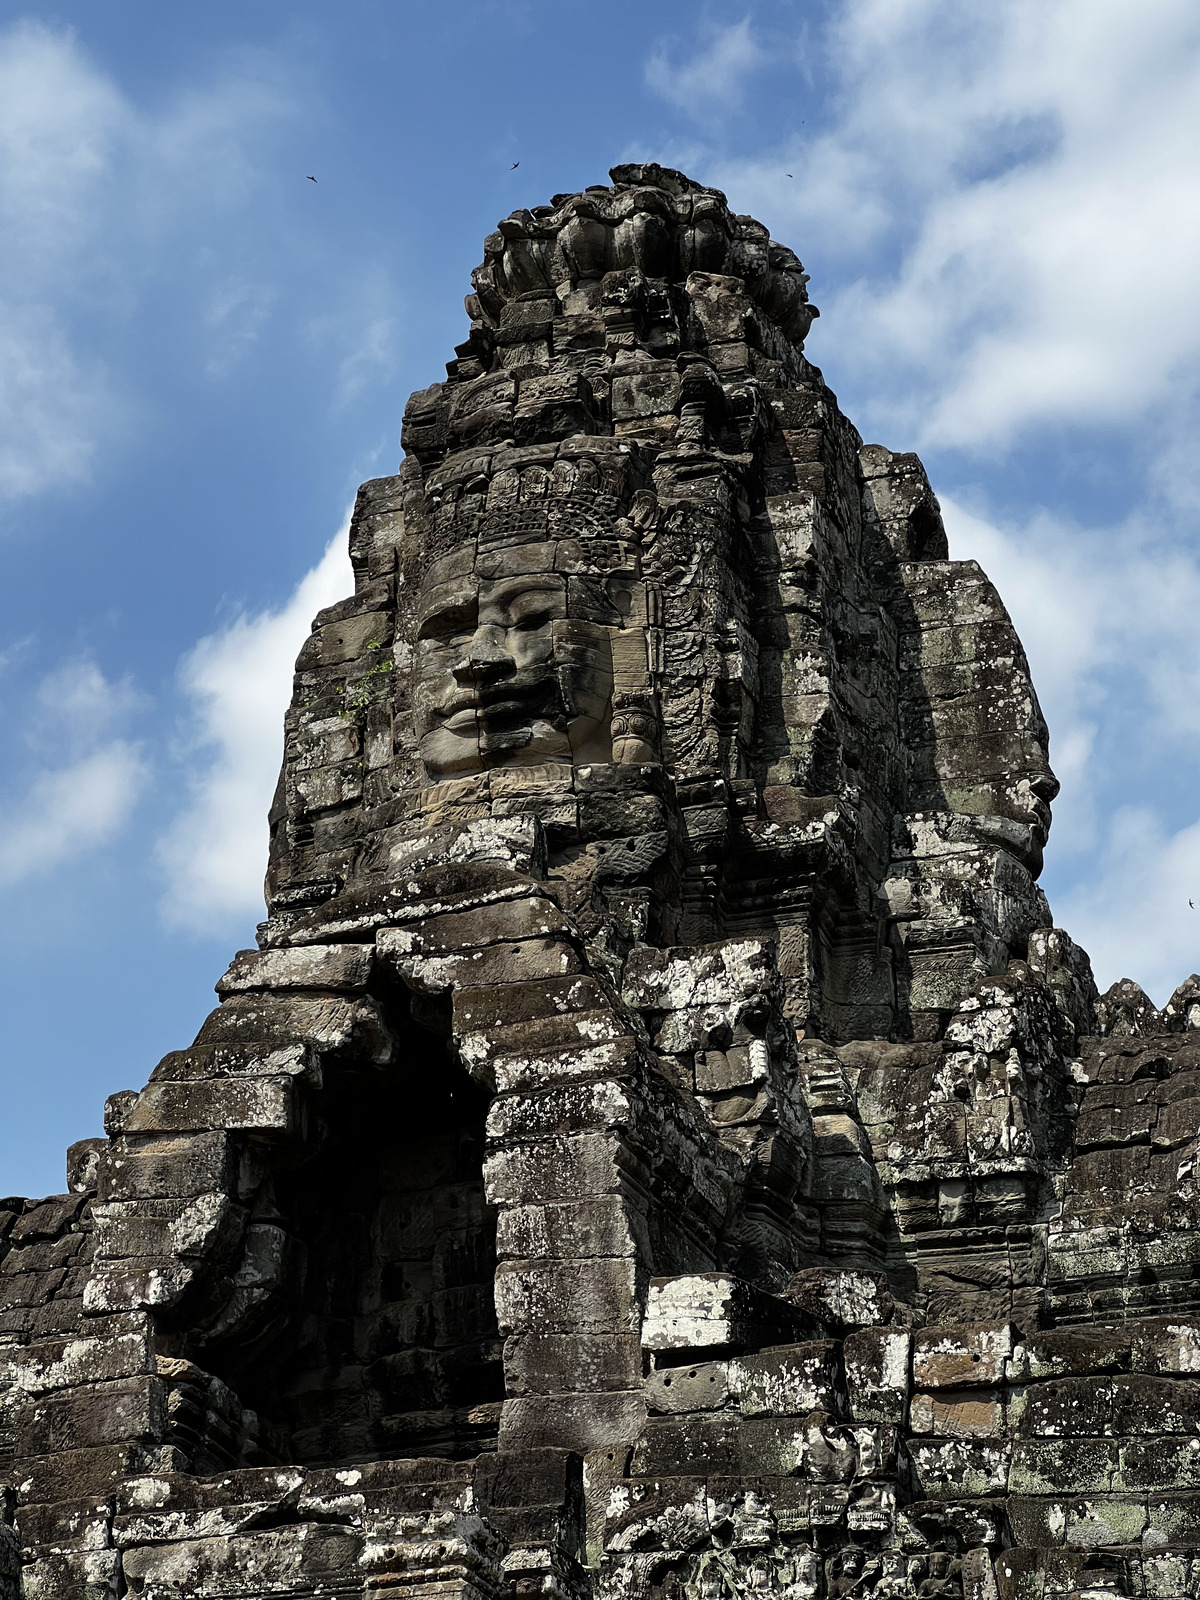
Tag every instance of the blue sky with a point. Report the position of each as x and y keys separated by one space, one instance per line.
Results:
x=202 y=354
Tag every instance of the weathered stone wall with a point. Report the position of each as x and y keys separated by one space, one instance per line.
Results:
x=661 y=1146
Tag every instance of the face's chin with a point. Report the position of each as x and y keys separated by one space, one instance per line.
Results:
x=451 y=753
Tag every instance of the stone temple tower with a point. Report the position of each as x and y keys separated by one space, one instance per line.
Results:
x=661 y=1148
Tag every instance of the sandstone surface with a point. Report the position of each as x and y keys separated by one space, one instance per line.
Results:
x=662 y=1146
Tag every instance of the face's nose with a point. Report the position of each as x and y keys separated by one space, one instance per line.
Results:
x=1045 y=785
x=485 y=656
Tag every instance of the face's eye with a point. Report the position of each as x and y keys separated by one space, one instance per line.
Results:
x=530 y=618
x=532 y=608
x=449 y=622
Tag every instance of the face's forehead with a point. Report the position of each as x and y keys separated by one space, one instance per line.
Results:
x=471 y=565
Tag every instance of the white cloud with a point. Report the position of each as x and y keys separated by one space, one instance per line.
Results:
x=239 y=683
x=713 y=80
x=370 y=360
x=59 y=122
x=1134 y=913
x=54 y=404
x=65 y=813
x=85 y=778
x=234 y=318
x=1009 y=189
x=94 y=194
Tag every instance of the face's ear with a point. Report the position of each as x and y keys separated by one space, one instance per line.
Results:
x=620 y=593
x=643 y=513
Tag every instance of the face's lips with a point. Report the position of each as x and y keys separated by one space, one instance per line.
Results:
x=514 y=697
x=461 y=717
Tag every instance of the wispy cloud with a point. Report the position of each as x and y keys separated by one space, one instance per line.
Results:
x=359 y=328
x=713 y=79
x=96 y=196
x=236 y=313
x=78 y=775
x=1004 y=188
x=1137 y=912
x=238 y=682
x=59 y=123
x=55 y=402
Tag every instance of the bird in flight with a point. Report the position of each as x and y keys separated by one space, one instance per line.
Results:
x=787 y=174
x=1190 y=903
x=310 y=177
x=514 y=166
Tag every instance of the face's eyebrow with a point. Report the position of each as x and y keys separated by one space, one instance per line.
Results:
x=499 y=591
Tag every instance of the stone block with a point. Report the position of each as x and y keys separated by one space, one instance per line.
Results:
x=69 y=1473
x=343 y=641
x=53 y=1364
x=151 y=1284
x=1064 y=1466
x=518 y=963
x=108 y=1413
x=788 y=1380
x=267 y=1105
x=561 y=1110
x=717 y=1443
x=94 y=1574
x=606 y=1226
x=571 y=1167
x=520 y=1069
x=312 y=1555
x=345 y=968
x=1094 y=1521
x=274 y=1021
x=580 y=1029
x=1159 y=1464
x=572 y=1421
x=164 y=1166
x=697 y=975
x=877 y=1373
x=45 y=1219
x=958 y=1413
x=952 y=1355
x=1171 y=1345
x=946 y=1470
x=78 y=1524
x=567 y=1296
x=703 y=1387
x=505 y=922
x=507 y=1004
x=544 y=1363
x=1173 y=1520
x=842 y=1300
x=1070 y=1352
x=714 y=1311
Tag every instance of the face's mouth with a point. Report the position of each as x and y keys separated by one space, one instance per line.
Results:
x=514 y=699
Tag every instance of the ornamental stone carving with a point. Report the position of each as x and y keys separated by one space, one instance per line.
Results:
x=661 y=1146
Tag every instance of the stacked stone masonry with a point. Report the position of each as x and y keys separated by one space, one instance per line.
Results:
x=661 y=1148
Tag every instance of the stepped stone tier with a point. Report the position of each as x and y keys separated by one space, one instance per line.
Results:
x=662 y=1148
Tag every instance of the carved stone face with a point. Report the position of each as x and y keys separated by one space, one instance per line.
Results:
x=508 y=672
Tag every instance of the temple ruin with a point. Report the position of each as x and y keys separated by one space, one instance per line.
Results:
x=661 y=1148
